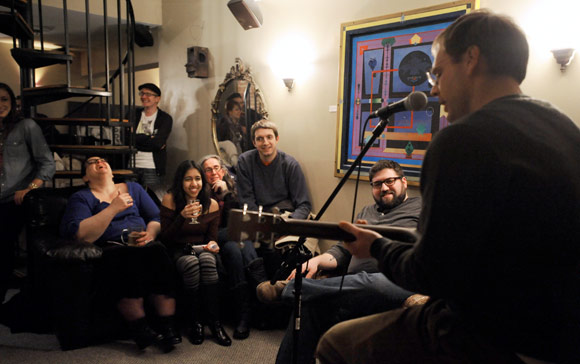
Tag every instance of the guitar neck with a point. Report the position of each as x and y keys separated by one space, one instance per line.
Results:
x=252 y=225
x=331 y=231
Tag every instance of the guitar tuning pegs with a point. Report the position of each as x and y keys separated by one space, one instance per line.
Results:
x=260 y=217
x=245 y=209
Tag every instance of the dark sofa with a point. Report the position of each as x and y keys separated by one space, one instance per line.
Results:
x=60 y=274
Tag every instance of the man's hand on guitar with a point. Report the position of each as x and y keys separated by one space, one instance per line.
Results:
x=359 y=248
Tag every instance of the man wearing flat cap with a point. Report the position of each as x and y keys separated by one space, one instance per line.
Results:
x=153 y=129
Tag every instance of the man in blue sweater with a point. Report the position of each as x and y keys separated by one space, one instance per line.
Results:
x=270 y=178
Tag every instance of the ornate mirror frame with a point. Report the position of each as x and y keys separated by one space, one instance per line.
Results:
x=237 y=80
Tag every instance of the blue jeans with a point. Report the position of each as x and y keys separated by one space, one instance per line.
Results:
x=236 y=256
x=324 y=305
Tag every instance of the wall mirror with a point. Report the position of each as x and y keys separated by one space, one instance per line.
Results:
x=232 y=118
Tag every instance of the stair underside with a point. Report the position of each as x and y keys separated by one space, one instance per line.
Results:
x=15 y=25
x=45 y=94
x=77 y=174
x=18 y=4
x=92 y=149
x=34 y=58
x=83 y=121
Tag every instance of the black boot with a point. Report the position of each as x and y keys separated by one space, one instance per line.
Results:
x=242 y=301
x=211 y=300
x=256 y=272
x=195 y=333
x=171 y=335
x=143 y=335
x=219 y=334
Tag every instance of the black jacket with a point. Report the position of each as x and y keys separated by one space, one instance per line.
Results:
x=157 y=143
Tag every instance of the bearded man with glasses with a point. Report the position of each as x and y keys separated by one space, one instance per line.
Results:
x=364 y=291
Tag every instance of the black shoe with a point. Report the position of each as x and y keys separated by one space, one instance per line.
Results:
x=242 y=331
x=196 y=334
x=171 y=336
x=220 y=335
x=146 y=337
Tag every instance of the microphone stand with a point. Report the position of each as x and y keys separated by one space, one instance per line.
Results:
x=296 y=251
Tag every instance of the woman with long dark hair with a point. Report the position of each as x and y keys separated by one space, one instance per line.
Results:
x=25 y=163
x=189 y=226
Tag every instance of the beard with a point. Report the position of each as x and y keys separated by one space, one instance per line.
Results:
x=396 y=201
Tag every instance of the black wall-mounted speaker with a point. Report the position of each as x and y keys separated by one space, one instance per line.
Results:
x=246 y=12
x=143 y=36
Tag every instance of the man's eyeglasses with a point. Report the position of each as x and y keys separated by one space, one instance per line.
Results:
x=215 y=169
x=95 y=161
x=149 y=94
x=431 y=78
x=389 y=182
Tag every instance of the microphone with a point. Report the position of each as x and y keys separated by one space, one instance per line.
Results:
x=415 y=101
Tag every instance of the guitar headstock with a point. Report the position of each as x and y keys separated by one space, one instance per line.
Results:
x=254 y=225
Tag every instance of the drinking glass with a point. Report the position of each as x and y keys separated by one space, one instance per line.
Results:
x=194 y=218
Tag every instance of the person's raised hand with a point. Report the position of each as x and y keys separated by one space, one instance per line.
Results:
x=312 y=265
x=212 y=247
x=220 y=188
x=122 y=201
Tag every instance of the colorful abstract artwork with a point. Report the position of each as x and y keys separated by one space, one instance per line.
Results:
x=383 y=60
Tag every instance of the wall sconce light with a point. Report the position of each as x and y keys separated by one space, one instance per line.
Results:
x=289 y=82
x=563 y=57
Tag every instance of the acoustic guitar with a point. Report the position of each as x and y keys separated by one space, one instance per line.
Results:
x=262 y=226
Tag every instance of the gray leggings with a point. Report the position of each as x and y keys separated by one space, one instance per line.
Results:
x=196 y=269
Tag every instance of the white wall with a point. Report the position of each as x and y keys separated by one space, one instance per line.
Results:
x=307 y=128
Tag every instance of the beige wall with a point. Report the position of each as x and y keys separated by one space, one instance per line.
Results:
x=307 y=128
x=10 y=69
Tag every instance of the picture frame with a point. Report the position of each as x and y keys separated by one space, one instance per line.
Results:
x=382 y=60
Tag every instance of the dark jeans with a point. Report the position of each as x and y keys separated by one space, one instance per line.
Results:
x=324 y=305
x=236 y=257
x=149 y=179
x=134 y=272
x=11 y=224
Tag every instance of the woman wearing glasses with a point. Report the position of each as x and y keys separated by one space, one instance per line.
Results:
x=99 y=215
x=192 y=244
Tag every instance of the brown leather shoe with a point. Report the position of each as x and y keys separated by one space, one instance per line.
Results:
x=268 y=293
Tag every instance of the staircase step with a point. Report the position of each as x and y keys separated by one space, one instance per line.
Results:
x=92 y=149
x=18 y=4
x=83 y=121
x=77 y=174
x=45 y=94
x=15 y=25
x=34 y=58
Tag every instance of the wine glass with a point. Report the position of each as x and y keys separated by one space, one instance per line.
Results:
x=196 y=214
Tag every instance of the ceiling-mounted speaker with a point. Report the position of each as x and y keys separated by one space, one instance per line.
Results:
x=143 y=36
x=246 y=12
